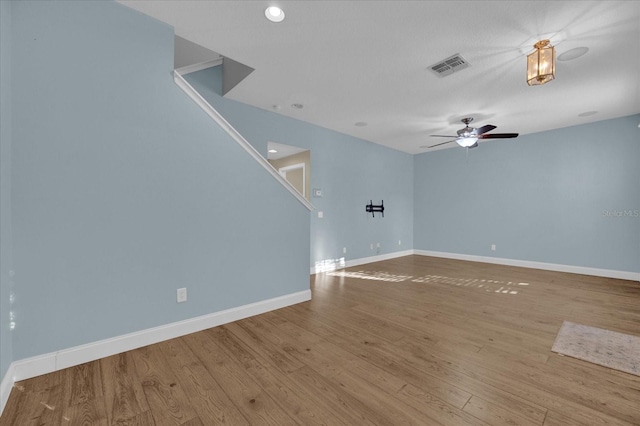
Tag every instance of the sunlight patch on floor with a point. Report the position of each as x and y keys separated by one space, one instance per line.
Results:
x=487 y=285
x=371 y=275
x=495 y=286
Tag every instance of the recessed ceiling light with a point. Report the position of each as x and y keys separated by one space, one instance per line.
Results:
x=360 y=124
x=273 y=151
x=587 y=114
x=572 y=54
x=274 y=14
x=297 y=106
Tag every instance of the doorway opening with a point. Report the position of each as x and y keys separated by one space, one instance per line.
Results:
x=293 y=163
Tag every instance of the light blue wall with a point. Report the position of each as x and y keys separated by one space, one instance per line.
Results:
x=6 y=241
x=350 y=172
x=541 y=197
x=124 y=190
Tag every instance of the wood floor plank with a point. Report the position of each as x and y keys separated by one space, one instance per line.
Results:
x=14 y=407
x=453 y=373
x=383 y=355
x=256 y=405
x=434 y=379
x=253 y=334
x=430 y=329
x=311 y=349
x=412 y=340
x=288 y=394
x=581 y=418
x=87 y=412
x=353 y=410
x=53 y=400
x=167 y=401
x=42 y=382
x=123 y=388
x=26 y=409
x=532 y=385
x=209 y=400
x=609 y=399
x=393 y=407
x=84 y=383
x=141 y=419
x=496 y=415
x=435 y=409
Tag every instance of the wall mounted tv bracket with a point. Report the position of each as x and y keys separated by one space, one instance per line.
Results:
x=373 y=208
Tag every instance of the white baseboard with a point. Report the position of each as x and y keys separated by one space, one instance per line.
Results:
x=48 y=363
x=5 y=388
x=608 y=273
x=332 y=265
x=377 y=258
x=327 y=266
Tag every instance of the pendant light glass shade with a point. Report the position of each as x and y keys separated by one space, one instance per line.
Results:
x=541 y=64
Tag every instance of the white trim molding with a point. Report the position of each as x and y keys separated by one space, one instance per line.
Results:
x=377 y=258
x=607 y=273
x=188 y=69
x=5 y=387
x=48 y=363
x=283 y=172
x=211 y=112
x=341 y=263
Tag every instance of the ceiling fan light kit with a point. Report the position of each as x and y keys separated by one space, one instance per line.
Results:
x=467 y=142
x=541 y=64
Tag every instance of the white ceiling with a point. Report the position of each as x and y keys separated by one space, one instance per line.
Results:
x=368 y=61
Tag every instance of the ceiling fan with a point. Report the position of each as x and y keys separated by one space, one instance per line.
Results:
x=468 y=137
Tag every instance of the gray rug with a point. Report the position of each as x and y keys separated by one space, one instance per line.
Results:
x=603 y=347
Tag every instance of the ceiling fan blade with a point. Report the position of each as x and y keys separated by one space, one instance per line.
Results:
x=485 y=129
x=498 y=136
x=438 y=144
x=442 y=136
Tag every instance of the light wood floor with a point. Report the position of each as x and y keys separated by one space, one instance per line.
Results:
x=415 y=340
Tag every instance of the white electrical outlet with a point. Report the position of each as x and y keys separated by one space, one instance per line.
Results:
x=320 y=215
x=399 y=242
x=371 y=246
x=378 y=245
x=181 y=295
x=344 y=250
x=493 y=247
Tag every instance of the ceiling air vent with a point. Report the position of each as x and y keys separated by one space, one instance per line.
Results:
x=449 y=66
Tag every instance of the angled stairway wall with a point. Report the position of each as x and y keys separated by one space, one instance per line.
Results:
x=123 y=190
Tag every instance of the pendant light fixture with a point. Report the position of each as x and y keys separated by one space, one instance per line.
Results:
x=541 y=64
